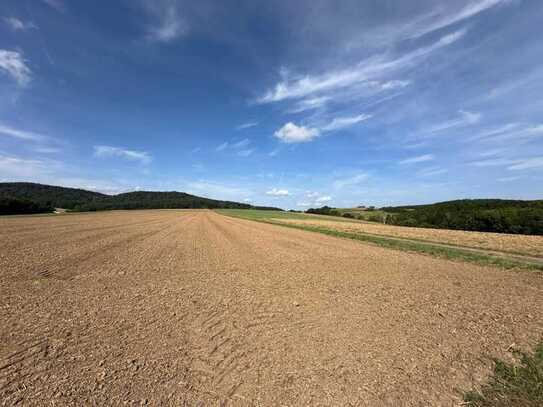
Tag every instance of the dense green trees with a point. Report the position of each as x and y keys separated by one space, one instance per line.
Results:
x=47 y=195
x=485 y=215
x=13 y=206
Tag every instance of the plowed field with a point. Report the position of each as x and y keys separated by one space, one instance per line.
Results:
x=173 y=307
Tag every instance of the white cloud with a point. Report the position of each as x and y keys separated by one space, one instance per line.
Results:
x=496 y=162
x=303 y=204
x=168 y=24
x=343 y=122
x=246 y=125
x=277 y=192
x=431 y=171
x=17 y=25
x=246 y=153
x=527 y=164
x=248 y=200
x=367 y=71
x=23 y=167
x=132 y=155
x=56 y=4
x=291 y=133
x=351 y=181
x=508 y=179
x=310 y=103
x=444 y=15
x=417 y=159
x=470 y=10
x=242 y=143
x=323 y=199
x=510 y=132
x=20 y=134
x=465 y=119
x=239 y=147
x=13 y=64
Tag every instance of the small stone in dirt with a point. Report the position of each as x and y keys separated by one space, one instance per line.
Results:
x=296 y=304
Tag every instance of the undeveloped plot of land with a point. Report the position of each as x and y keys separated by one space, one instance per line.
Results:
x=519 y=244
x=171 y=307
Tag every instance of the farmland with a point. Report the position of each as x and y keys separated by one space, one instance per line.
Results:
x=493 y=242
x=173 y=307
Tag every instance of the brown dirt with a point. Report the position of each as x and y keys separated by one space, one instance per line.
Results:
x=521 y=244
x=171 y=307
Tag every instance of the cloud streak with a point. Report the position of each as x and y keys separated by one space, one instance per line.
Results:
x=368 y=72
x=131 y=155
x=13 y=64
x=9 y=131
x=278 y=192
x=168 y=23
x=18 y=25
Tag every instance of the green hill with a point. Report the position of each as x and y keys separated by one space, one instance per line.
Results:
x=46 y=197
x=485 y=215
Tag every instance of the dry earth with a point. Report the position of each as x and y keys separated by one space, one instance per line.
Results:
x=521 y=244
x=194 y=308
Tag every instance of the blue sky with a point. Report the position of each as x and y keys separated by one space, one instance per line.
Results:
x=285 y=103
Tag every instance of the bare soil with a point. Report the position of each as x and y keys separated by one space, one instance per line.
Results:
x=195 y=308
x=501 y=242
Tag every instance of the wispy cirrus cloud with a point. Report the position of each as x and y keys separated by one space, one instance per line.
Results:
x=13 y=132
x=439 y=19
x=247 y=125
x=18 y=25
x=15 y=166
x=370 y=72
x=339 y=123
x=351 y=181
x=240 y=147
x=465 y=118
x=432 y=171
x=527 y=164
x=510 y=132
x=167 y=22
x=13 y=64
x=58 y=5
x=131 y=155
x=418 y=159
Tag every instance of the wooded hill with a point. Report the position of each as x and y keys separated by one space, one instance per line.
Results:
x=485 y=215
x=26 y=197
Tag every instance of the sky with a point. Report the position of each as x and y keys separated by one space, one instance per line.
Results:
x=293 y=104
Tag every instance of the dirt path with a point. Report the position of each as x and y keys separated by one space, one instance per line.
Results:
x=171 y=307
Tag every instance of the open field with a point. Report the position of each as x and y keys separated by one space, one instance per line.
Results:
x=173 y=307
x=518 y=244
x=515 y=244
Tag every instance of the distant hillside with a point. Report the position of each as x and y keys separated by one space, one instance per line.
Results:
x=484 y=204
x=486 y=215
x=47 y=196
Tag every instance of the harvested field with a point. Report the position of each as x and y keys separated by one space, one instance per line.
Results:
x=173 y=307
x=518 y=244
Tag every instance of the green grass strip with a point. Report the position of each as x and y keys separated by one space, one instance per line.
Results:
x=404 y=245
x=512 y=384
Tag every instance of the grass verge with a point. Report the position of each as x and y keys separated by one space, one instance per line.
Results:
x=412 y=246
x=512 y=385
